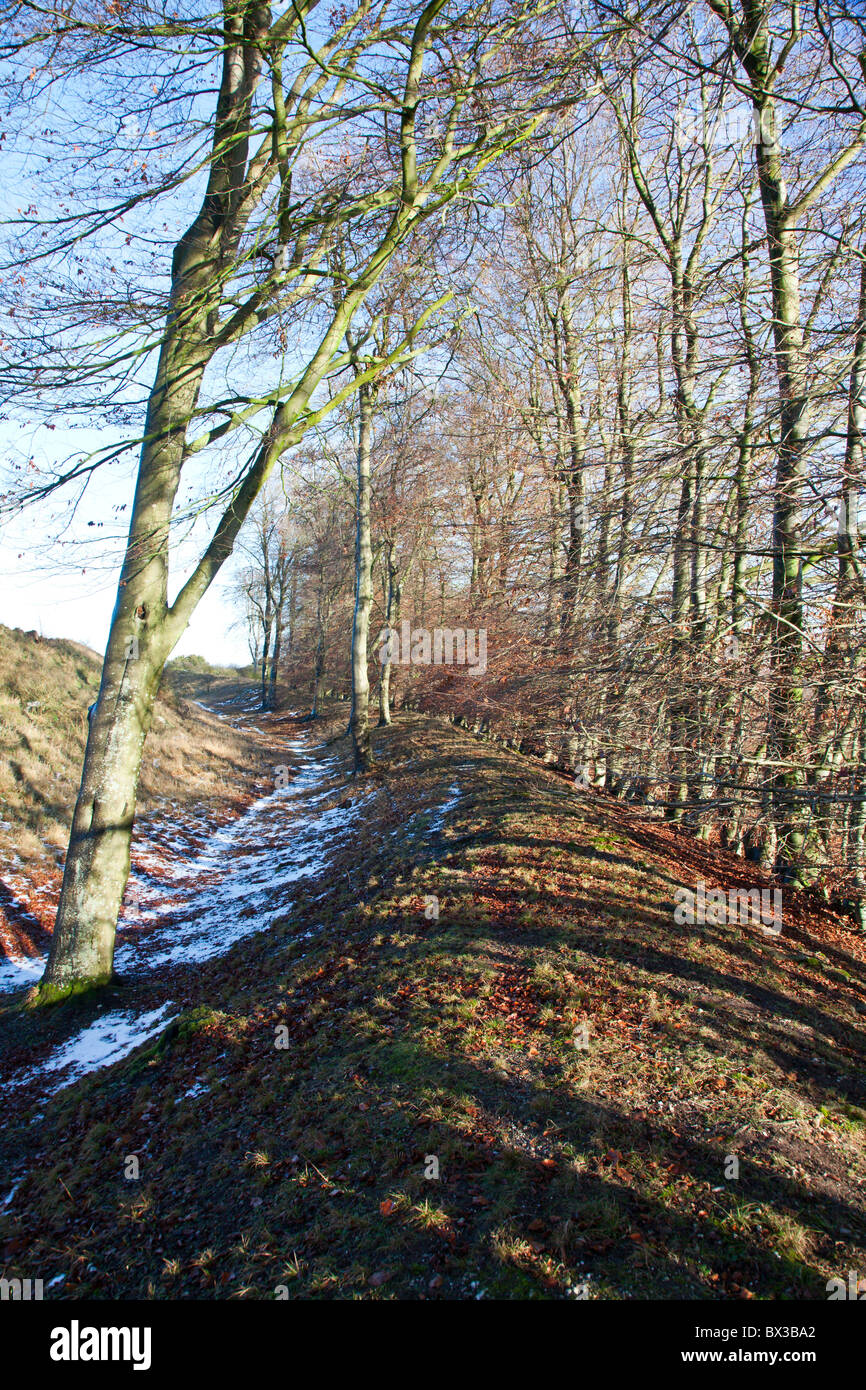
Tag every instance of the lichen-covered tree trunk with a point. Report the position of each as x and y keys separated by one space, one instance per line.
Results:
x=142 y=634
x=97 y=860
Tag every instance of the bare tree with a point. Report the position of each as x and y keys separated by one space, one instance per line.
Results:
x=289 y=164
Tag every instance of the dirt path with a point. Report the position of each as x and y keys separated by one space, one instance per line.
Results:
x=196 y=889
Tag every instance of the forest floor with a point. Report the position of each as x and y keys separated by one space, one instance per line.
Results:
x=344 y=1057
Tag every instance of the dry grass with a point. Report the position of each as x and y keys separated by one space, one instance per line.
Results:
x=45 y=689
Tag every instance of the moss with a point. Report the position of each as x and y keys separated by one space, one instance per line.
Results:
x=46 y=994
x=180 y=1031
x=193 y=1021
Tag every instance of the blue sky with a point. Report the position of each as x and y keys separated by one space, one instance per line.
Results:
x=61 y=578
x=58 y=575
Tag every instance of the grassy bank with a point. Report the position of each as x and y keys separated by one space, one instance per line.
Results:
x=431 y=992
x=191 y=758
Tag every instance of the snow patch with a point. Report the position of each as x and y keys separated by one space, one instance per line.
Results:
x=265 y=851
x=7 y=1200
x=105 y=1040
x=439 y=819
x=18 y=971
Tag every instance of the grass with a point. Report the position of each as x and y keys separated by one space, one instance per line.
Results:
x=602 y=1171
x=46 y=686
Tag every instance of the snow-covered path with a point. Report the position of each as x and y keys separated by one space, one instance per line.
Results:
x=236 y=886
x=180 y=910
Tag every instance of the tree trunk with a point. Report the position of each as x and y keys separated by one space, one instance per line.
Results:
x=267 y=624
x=786 y=695
x=323 y=614
x=97 y=861
x=390 y=621
x=275 y=659
x=142 y=634
x=293 y=609
x=359 y=722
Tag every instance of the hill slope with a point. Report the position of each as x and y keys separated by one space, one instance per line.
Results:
x=412 y=1009
x=46 y=686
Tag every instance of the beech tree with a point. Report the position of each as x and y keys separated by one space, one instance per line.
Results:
x=358 y=125
x=612 y=468
x=764 y=38
x=643 y=465
x=268 y=586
